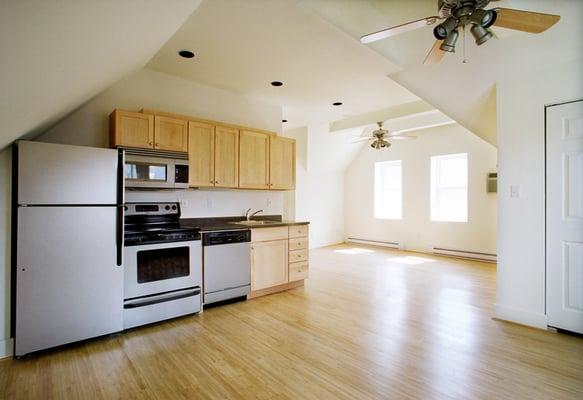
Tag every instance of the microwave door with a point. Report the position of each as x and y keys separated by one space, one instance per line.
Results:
x=148 y=172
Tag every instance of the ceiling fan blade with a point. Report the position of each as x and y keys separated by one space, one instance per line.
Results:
x=402 y=137
x=526 y=21
x=395 y=30
x=435 y=54
x=363 y=139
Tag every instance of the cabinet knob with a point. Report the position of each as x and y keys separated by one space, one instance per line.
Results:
x=216 y=181
x=157 y=144
x=150 y=143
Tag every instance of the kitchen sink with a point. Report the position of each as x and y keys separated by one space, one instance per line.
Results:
x=255 y=222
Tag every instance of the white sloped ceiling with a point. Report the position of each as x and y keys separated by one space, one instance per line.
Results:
x=56 y=55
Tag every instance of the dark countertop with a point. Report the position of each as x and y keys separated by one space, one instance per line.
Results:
x=226 y=223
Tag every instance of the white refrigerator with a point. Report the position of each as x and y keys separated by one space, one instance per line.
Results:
x=67 y=261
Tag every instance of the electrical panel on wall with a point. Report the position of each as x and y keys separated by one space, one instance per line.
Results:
x=492 y=182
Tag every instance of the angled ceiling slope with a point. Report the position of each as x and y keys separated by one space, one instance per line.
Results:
x=57 y=55
x=464 y=91
x=242 y=46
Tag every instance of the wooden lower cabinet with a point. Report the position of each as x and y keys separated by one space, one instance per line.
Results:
x=279 y=259
x=269 y=264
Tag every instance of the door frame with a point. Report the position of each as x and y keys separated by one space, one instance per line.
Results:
x=547 y=106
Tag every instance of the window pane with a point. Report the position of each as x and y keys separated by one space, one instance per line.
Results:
x=453 y=172
x=449 y=188
x=388 y=193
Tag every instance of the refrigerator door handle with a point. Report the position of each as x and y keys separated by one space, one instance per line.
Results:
x=120 y=206
x=119 y=235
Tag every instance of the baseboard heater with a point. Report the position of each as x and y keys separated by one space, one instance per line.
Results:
x=473 y=255
x=393 y=245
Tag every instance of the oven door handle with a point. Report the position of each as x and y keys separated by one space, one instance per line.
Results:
x=161 y=298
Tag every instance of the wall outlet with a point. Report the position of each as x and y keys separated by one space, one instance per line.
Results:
x=209 y=203
x=515 y=191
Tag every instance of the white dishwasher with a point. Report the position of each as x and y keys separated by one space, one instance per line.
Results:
x=227 y=265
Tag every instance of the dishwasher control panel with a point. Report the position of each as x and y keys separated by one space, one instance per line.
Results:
x=226 y=237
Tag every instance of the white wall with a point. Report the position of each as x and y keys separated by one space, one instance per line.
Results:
x=521 y=242
x=5 y=215
x=322 y=157
x=416 y=231
x=89 y=124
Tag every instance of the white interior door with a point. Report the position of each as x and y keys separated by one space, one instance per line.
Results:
x=564 y=250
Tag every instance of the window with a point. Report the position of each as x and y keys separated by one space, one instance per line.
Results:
x=388 y=190
x=449 y=188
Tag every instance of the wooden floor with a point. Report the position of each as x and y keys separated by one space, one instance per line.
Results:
x=369 y=324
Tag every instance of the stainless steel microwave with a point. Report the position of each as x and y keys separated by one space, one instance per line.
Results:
x=155 y=170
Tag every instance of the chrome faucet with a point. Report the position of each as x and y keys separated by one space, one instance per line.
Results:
x=249 y=216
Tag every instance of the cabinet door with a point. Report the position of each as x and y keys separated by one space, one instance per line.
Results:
x=253 y=160
x=170 y=134
x=282 y=163
x=201 y=150
x=269 y=266
x=226 y=157
x=130 y=129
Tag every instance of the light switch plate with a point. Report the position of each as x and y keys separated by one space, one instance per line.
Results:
x=515 y=191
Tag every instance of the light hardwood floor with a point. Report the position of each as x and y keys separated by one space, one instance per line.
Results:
x=377 y=324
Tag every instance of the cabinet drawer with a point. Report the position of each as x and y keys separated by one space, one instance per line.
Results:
x=298 y=231
x=298 y=271
x=265 y=234
x=298 y=255
x=300 y=243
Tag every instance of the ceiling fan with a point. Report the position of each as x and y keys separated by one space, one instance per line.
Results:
x=455 y=15
x=380 y=137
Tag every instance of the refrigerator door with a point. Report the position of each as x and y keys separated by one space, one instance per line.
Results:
x=61 y=174
x=68 y=286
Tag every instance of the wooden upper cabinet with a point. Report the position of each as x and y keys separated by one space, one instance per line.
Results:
x=226 y=157
x=201 y=151
x=170 y=134
x=130 y=129
x=282 y=163
x=253 y=160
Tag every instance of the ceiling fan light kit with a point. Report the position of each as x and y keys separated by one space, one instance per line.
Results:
x=380 y=137
x=459 y=14
x=481 y=34
x=449 y=42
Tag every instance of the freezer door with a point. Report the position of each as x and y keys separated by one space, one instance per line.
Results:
x=68 y=286
x=61 y=174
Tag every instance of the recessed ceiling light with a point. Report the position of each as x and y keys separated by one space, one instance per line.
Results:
x=284 y=120
x=276 y=83
x=338 y=103
x=186 y=54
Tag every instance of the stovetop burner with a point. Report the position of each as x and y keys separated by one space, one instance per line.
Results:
x=149 y=223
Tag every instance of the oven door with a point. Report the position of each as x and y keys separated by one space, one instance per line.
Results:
x=149 y=172
x=157 y=268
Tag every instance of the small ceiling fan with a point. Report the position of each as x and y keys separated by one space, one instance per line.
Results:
x=380 y=137
x=455 y=15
